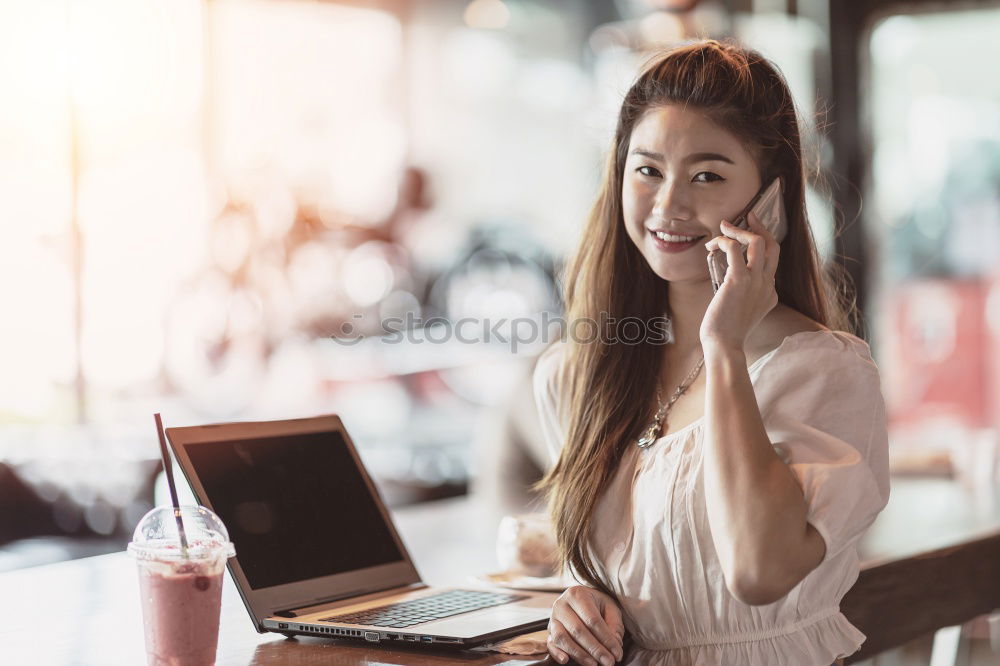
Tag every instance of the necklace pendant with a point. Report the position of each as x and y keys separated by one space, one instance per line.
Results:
x=649 y=436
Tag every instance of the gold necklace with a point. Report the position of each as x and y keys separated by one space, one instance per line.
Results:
x=649 y=436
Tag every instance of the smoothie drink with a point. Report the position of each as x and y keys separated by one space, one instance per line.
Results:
x=180 y=611
x=181 y=596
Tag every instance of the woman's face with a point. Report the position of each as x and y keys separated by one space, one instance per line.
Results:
x=683 y=176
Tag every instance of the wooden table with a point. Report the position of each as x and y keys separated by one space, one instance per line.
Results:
x=87 y=611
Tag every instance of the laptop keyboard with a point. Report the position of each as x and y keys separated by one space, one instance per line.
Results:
x=426 y=609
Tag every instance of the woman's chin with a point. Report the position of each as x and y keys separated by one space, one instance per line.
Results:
x=679 y=274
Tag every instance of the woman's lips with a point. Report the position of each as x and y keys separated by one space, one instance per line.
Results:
x=667 y=246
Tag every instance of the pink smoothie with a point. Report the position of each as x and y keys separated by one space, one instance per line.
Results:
x=180 y=611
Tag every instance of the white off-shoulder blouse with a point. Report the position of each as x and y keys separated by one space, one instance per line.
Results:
x=820 y=399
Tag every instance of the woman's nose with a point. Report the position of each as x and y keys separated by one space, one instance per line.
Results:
x=672 y=202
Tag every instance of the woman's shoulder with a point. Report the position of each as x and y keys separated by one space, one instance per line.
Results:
x=549 y=399
x=550 y=359
x=548 y=369
x=781 y=322
x=817 y=373
x=787 y=330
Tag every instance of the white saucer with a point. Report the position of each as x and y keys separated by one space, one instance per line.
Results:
x=516 y=581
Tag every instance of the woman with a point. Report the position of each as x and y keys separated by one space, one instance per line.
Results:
x=731 y=537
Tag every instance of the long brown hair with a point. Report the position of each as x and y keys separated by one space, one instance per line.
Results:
x=606 y=386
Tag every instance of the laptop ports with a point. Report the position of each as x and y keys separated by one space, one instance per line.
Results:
x=427 y=639
x=371 y=636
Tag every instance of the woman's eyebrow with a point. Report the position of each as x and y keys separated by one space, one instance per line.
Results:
x=693 y=157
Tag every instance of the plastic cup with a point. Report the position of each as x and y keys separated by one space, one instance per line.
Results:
x=181 y=597
x=526 y=545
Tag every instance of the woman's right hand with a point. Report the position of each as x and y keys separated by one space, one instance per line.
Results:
x=586 y=626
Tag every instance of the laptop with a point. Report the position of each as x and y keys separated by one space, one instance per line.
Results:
x=317 y=553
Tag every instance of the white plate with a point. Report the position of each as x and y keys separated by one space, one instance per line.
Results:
x=519 y=582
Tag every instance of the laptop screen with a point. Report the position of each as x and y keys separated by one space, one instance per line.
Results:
x=296 y=506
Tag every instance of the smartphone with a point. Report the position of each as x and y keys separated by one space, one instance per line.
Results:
x=769 y=207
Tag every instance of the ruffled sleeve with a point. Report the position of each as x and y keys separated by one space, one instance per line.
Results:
x=546 y=387
x=822 y=407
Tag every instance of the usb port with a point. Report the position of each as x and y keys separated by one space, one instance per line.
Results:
x=427 y=639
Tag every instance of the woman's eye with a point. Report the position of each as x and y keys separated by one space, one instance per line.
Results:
x=653 y=173
x=714 y=176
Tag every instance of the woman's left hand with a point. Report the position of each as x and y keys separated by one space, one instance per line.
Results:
x=748 y=292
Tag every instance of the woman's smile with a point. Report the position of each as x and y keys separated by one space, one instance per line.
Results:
x=666 y=242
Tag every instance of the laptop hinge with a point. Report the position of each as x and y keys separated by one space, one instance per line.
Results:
x=297 y=611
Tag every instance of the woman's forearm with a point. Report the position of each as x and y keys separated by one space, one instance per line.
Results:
x=756 y=509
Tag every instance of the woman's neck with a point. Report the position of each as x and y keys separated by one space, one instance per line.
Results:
x=688 y=303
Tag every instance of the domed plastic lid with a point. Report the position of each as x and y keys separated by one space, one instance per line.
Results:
x=156 y=535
